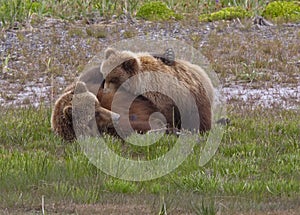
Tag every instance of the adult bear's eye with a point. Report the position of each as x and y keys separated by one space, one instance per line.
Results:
x=114 y=80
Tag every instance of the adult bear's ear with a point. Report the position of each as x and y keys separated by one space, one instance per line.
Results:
x=131 y=66
x=109 y=52
x=68 y=112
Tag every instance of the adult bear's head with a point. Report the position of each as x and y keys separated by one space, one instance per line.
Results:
x=119 y=66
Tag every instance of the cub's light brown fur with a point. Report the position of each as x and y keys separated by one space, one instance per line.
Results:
x=119 y=66
x=62 y=118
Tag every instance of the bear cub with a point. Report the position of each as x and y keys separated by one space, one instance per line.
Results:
x=63 y=113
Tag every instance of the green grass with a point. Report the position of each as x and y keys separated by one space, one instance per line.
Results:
x=258 y=159
x=16 y=12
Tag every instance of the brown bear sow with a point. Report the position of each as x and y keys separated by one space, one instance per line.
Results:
x=62 y=117
x=138 y=113
x=119 y=66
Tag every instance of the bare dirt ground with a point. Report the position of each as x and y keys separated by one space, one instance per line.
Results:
x=130 y=205
x=257 y=65
x=135 y=209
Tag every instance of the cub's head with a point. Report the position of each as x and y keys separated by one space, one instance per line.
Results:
x=118 y=66
x=79 y=113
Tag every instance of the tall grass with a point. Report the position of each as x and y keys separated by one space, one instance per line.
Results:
x=17 y=12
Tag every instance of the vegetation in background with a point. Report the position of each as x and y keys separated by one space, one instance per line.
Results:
x=283 y=10
x=156 y=11
x=226 y=14
x=16 y=13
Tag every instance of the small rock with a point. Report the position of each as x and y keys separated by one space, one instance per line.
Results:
x=259 y=20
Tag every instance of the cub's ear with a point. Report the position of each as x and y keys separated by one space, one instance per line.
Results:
x=131 y=66
x=80 y=87
x=109 y=52
x=68 y=112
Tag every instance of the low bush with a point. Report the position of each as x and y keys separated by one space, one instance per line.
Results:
x=156 y=11
x=227 y=13
x=283 y=10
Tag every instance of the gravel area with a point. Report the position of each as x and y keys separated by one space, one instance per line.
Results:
x=39 y=61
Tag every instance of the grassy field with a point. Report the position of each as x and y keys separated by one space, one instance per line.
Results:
x=258 y=161
x=256 y=169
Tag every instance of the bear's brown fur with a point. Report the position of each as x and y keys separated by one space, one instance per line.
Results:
x=138 y=113
x=62 y=117
x=119 y=66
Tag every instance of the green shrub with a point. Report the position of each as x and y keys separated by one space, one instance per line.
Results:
x=227 y=13
x=283 y=10
x=156 y=11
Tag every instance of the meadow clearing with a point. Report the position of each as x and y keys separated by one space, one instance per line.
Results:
x=45 y=45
